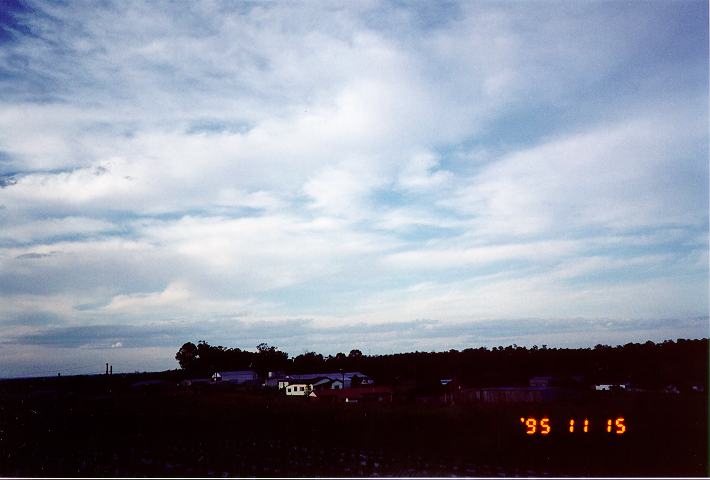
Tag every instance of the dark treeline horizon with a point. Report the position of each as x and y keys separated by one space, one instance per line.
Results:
x=682 y=362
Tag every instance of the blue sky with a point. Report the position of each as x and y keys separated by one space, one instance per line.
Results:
x=389 y=176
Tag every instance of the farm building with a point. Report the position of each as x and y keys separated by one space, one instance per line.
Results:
x=324 y=383
x=348 y=379
x=236 y=376
x=273 y=379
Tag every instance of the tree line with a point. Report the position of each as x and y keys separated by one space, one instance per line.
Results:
x=654 y=365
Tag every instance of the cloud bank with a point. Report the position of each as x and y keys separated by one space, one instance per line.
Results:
x=308 y=174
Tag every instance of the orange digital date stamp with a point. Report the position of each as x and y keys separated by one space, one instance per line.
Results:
x=543 y=426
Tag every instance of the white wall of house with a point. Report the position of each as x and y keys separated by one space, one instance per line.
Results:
x=298 y=389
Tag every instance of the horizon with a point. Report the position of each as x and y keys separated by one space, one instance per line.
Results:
x=331 y=355
x=381 y=176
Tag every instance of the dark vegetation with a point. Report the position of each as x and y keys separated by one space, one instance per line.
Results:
x=651 y=365
x=104 y=425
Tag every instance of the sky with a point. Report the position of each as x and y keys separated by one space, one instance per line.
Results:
x=323 y=176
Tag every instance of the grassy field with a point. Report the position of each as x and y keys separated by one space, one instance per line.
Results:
x=103 y=428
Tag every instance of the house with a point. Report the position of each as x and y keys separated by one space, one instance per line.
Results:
x=306 y=386
x=298 y=389
x=344 y=379
x=236 y=377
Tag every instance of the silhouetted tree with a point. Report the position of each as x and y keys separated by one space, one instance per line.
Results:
x=187 y=356
x=309 y=362
x=269 y=358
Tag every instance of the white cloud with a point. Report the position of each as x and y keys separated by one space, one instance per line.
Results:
x=621 y=176
x=580 y=267
x=438 y=258
x=342 y=192
x=39 y=230
x=404 y=218
x=420 y=173
x=259 y=253
x=174 y=294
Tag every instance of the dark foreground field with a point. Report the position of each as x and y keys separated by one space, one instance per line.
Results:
x=104 y=430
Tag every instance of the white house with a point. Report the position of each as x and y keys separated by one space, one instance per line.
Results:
x=306 y=386
x=298 y=389
x=235 y=376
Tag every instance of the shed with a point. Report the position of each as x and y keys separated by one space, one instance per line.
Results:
x=236 y=376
